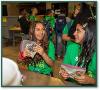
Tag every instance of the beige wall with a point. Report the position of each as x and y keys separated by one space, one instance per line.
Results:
x=71 y=7
x=12 y=9
x=48 y=5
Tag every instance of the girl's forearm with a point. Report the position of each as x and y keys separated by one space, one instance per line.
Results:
x=47 y=59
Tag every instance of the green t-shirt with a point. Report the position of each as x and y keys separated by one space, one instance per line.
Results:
x=66 y=29
x=71 y=57
x=51 y=19
x=42 y=67
x=32 y=18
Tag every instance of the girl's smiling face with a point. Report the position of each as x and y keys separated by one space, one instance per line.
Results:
x=39 y=31
x=79 y=34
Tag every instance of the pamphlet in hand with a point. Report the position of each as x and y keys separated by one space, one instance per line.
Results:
x=29 y=45
x=72 y=70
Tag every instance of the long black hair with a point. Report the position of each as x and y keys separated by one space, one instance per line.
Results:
x=89 y=43
x=83 y=14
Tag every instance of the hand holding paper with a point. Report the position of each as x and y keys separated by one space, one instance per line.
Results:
x=73 y=70
x=38 y=49
x=27 y=48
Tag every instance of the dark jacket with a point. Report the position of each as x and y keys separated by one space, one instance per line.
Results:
x=24 y=25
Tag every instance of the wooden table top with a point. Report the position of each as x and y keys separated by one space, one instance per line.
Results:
x=36 y=79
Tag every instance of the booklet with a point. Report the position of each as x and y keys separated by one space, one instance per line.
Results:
x=29 y=45
x=72 y=70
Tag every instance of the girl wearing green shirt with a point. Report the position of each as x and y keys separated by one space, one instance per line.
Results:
x=34 y=12
x=67 y=37
x=49 y=21
x=84 y=55
x=45 y=51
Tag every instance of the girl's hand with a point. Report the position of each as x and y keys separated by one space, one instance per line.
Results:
x=26 y=53
x=84 y=79
x=64 y=74
x=38 y=49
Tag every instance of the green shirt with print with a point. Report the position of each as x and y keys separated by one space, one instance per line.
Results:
x=42 y=67
x=71 y=57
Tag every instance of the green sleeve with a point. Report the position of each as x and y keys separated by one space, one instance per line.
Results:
x=71 y=55
x=92 y=67
x=65 y=30
x=51 y=50
x=66 y=59
x=46 y=17
x=28 y=17
x=51 y=19
x=33 y=18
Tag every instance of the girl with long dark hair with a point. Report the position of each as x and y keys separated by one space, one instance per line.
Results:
x=45 y=51
x=85 y=54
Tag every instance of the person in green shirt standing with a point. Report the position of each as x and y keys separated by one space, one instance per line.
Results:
x=81 y=11
x=83 y=53
x=49 y=21
x=44 y=59
x=34 y=12
x=66 y=37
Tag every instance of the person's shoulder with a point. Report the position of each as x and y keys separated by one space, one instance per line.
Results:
x=46 y=16
x=31 y=16
x=73 y=45
x=20 y=18
x=53 y=17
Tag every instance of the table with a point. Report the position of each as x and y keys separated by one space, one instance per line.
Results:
x=36 y=79
x=14 y=30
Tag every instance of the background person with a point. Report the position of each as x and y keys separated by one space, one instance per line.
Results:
x=24 y=23
x=34 y=12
